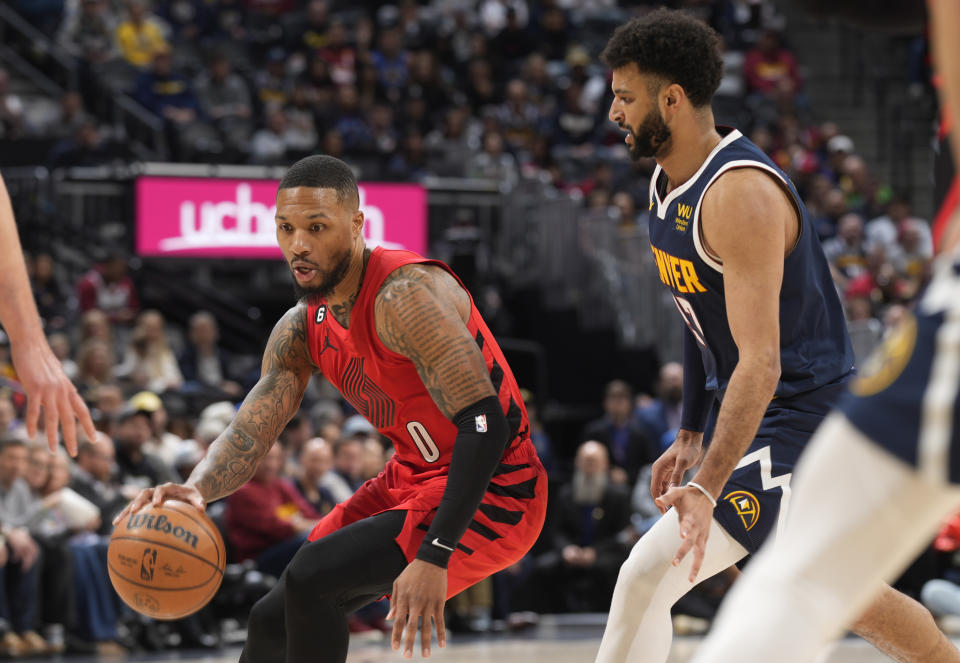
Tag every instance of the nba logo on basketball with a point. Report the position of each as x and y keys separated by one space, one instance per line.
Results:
x=147 y=564
x=481 y=420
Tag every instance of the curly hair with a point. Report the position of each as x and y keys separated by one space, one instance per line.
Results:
x=671 y=45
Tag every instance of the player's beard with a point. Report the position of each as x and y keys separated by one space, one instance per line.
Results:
x=649 y=137
x=329 y=279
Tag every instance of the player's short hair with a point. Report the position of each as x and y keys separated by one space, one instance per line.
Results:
x=323 y=172
x=673 y=46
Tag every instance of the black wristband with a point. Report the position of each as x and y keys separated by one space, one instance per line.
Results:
x=482 y=432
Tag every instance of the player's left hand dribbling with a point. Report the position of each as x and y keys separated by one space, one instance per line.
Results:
x=695 y=513
x=419 y=592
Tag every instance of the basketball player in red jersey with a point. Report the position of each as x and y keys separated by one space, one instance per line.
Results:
x=464 y=495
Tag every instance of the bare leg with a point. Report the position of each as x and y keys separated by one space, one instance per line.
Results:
x=904 y=630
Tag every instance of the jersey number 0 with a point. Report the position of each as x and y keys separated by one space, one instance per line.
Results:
x=426 y=445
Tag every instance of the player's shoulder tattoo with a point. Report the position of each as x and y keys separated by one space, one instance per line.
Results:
x=418 y=314
x=288 y=345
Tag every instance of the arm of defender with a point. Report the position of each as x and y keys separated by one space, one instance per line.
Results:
x=287 y=366
x=38 y=369
x=743 y=204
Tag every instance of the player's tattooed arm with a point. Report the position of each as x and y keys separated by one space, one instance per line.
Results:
x=287 y=366
x=421 y=313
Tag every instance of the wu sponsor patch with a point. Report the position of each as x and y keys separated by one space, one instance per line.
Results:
x=481 y=420
x=746 y=506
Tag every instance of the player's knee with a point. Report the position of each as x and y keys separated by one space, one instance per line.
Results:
x=645 y=565
x=266 y=617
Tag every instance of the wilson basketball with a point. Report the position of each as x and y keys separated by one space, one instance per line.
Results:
x=166 y=562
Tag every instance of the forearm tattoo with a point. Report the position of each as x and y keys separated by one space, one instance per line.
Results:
x=233 y=457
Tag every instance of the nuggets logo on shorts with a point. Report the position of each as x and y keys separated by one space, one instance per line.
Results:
x=746 y=506
x=887 y=363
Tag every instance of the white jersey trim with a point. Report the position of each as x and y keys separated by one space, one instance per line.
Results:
x=940 y=397
x=705 y=255
x=662 y=207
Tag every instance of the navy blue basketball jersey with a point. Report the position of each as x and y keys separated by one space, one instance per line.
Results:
x=815 y=348
x=907 y=398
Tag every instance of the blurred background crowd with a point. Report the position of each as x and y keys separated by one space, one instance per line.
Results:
x=502 y=91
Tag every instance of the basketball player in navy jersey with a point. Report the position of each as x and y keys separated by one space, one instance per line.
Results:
x=463 y=497
x=766 y=351
x=883 y=470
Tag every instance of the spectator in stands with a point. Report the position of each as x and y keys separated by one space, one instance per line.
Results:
x=93 y=478
x=269 y=144
x=148 y=362
x=98 y=607
x=493 y=162
x=518 y=118
x=136 y=467
x=351 y=124
x=310 y=31
x=90 y=33
x=18 y=601
x=110 y=289
x=203 y=363
x=53 y=300
x=769 y=65
x=86 y=148
x=107 y=400
x=886 y=229
x=94 y=367
x=912 y=255
x=628 y=447
x=660 y=418
x=590 y=515
x=316 y=460
x=574 y=125
x=879 y=281
x=168 y=94
x=267 y=519
x=274 y=83
x=60 y=344
x=140 y=36
x=11 y=109
x=224 y=98
x=162 y=443
x=301 y=135
x=553 y=33
x=391 y=63
x=345 y=477
x=297 y=432
x=847 y=252
x=450 y=145
x=59 y=513
x=538 y=434
x=864 y=195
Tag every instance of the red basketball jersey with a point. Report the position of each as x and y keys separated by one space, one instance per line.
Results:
x=385 y=387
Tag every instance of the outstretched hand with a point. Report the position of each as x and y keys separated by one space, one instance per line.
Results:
x=418 y=593
x=47 y=387
x=695 y=513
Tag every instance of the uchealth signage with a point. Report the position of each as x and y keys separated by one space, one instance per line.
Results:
x=212 y=217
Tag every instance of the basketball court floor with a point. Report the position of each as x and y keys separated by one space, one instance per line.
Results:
x=549 y=643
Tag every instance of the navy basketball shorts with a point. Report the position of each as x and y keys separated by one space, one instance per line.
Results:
x=907 y=396
x=755 y=499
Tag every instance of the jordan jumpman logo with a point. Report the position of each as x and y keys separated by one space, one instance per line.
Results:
x=328 y=344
